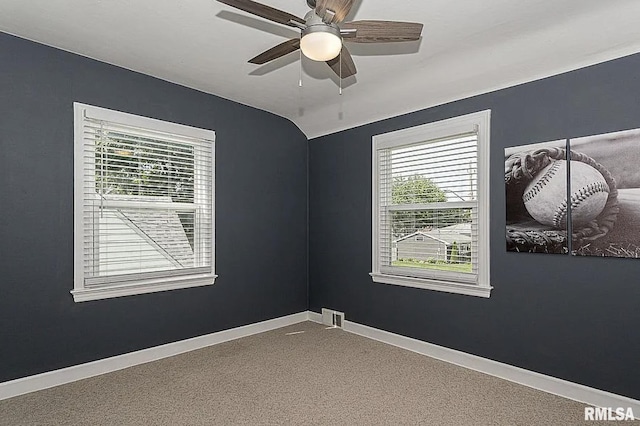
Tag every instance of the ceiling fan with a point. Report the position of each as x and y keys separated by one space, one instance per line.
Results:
x=321 y=38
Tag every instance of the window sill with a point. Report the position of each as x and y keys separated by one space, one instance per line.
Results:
x=141 y=287
x=429 y=284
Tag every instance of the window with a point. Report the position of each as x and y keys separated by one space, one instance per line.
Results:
x=431 y=206
x=143 y=205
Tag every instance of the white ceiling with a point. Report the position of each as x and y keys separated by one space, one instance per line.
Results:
x=468 y=47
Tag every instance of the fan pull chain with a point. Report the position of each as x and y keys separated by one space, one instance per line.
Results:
x=340 y=92
x=300 y=81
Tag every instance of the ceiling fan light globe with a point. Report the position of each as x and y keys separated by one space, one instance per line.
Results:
x=320 y=46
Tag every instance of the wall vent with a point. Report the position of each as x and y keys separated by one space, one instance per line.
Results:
x=332 y=318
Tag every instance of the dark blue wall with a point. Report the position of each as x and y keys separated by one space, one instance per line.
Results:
x=572 y=318
x=261 y=215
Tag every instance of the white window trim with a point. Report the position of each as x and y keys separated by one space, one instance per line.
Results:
x=480 y=122
x=82 y=293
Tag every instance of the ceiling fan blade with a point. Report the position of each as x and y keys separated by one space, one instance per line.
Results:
x=264 y=11
x=341 y=8
x=383 y=31
x=348 y=67
x=277 y=51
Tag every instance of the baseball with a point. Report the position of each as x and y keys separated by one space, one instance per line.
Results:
x=545 y=197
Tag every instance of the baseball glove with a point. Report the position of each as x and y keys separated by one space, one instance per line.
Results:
x=526 y=234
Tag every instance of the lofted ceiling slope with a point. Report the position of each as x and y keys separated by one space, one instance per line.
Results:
x=468 y=47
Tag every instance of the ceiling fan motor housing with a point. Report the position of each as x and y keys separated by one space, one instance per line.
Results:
x=322 y=28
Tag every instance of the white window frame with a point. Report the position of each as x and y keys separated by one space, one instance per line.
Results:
x=478 y=122
x=151 y=282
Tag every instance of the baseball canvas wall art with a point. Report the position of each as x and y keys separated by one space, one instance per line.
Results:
x=594 y=197
x=615 y=230
x=536 y=197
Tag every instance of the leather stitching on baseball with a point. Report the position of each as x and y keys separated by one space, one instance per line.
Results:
x=542 y=182
x=560 y=214
x=577 y=198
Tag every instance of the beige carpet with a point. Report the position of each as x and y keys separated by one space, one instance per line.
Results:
x=320 y=376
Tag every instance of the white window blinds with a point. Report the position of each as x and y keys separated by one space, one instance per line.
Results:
x=146 y=200
x=430 y=210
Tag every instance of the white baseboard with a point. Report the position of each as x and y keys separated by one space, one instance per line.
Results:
x=518 y=375
x=83 y=371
